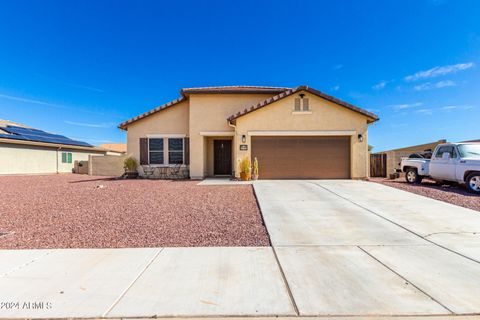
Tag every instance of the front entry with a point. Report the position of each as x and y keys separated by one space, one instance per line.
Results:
x=222 y=157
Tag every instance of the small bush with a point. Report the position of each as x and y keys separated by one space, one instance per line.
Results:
x=245 y=166
x=130 y=164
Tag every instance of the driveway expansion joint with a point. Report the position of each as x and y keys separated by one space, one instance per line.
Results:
x=407 y=280
x=132 y=283
x=24 y=265
x=287 y=285
x=285 y=281
x=393 y=222
x=459 y=232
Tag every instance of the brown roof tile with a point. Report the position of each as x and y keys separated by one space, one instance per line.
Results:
x=233 y=89
x=117 y=147
x=318 y=93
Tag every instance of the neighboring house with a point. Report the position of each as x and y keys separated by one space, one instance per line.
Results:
x=394 y=157
x=114 y=149
x=25 y=150
x=293 y=132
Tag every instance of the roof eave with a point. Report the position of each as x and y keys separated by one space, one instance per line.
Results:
x=370 y=116
x=53 y=145
x=185 y=92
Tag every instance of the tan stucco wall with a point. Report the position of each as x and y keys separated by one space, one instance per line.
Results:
x=324 y=116
x=209 y=112
x=106 y=166
x=173 y=120
x=23 y=159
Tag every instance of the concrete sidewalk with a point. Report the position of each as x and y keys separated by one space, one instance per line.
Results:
x=142 y=283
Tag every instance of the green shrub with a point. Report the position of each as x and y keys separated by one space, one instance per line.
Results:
x=130 y=164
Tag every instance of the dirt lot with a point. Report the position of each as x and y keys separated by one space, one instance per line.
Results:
x=76 y=211
x=453 y=194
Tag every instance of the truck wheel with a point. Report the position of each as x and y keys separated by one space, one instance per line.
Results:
x=411 y=175
x=473 y=182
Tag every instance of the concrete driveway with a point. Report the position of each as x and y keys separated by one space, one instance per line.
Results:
x=360 y=248
x=340 y=248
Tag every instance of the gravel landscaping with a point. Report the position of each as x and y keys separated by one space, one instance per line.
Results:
x=455 y=194
x=77 y=211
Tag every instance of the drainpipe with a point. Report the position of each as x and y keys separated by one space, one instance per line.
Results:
x=230 y=124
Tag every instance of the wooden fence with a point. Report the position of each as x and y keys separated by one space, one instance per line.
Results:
x=378 y=165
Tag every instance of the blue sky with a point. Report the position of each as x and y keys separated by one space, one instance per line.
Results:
x=81 y=67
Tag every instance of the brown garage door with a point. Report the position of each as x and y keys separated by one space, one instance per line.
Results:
x=302 y=157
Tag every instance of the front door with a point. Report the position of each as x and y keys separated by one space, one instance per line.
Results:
x=222 y=157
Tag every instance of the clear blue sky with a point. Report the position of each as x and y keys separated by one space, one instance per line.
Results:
x=81 y=67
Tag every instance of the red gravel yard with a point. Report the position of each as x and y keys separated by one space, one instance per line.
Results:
x=77 y=211
x=455 y=194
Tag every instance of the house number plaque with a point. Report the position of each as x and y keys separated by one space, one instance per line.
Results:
x=243 y=147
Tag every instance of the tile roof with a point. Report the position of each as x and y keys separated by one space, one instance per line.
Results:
x=279 y=93
x=233 y=89
x=117 y=147
x=220 y=89
x=289 y=92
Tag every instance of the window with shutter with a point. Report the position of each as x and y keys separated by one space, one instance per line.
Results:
x=306 y=106
x=297 y=104
x=186 y=150
x=155 y=151
x=143 y=151
x=175 y=151
x=66 y=157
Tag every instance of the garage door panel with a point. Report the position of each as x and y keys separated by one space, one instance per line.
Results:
x=302 y=157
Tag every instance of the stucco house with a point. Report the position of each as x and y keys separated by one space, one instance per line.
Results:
x=293 y=132
x=27 y=150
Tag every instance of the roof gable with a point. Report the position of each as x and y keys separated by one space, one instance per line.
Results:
x=371 y=116
x=125 y=124
x=185 y=92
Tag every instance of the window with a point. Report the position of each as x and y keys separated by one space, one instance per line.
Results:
x=446 y=149
x=155 y=151
x=297 y=104
x=66 y=157
x=301 y=104
x=306 y=107
x=175 y=151
x=469 y=150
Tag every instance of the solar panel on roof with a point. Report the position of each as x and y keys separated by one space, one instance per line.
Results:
x=30 y=134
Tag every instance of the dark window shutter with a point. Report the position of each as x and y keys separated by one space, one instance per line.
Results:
x=143 y=151
x=186 y=150
x=297 y=104
x=306 y=107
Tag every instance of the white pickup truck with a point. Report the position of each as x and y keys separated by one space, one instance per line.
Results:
x=454 y=162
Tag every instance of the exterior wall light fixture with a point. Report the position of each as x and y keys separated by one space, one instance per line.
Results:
x=244 y=138
x=360 y=137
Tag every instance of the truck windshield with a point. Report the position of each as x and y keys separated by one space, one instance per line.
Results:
x=469 y=150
